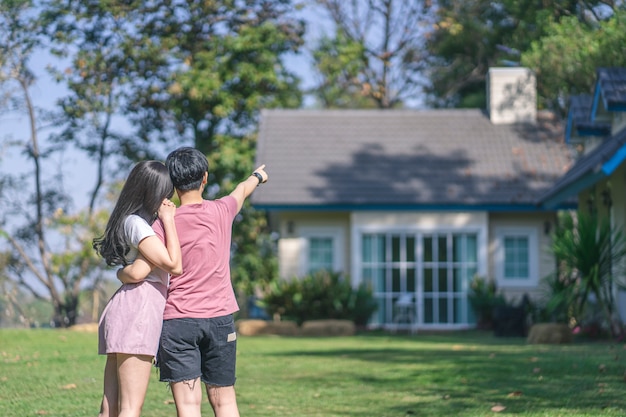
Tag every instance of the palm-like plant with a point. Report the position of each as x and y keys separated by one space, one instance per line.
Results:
x=589 y=252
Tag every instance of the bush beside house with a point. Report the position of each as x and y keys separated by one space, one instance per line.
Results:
x=322 y=295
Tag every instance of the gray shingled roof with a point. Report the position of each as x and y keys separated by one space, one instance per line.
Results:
x=394 y=158
x=612 y=84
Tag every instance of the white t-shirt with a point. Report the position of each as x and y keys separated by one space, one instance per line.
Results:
x=137 y=229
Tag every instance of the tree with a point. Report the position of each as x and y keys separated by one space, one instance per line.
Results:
x=48 y=253
x=220 y=63
x=472 y=36
x=98 y=67
x=564 y=68
x=340 y=61
x=185 y=72
x=376 y=56
x=169 y=74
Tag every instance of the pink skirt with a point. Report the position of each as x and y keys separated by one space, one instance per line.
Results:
x=132 y=320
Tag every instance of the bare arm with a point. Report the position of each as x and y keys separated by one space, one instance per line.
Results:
x=246 y=187
x=153 y=253
x=135 y=272
x=168 y=257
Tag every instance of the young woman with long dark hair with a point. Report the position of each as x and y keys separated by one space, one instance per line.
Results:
x=130 y=324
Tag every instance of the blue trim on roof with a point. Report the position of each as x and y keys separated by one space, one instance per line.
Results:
x=575 y=187
x=618 y=157
x=415 y=207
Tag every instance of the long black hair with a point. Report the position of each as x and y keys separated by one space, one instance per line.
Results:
x=146 y=186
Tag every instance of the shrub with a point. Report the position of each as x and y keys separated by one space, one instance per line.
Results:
x=483 y=298
x=318 y=296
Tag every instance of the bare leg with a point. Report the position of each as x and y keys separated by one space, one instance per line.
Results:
x=223 y=400
x=109 y=406
x=134 y=375
x=188 y=397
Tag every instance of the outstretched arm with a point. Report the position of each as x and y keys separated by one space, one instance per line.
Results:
x=246 y=187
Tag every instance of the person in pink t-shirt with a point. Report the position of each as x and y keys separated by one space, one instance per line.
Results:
x=198 y=340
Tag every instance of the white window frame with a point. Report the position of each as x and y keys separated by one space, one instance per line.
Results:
x=481 y=262
x=326 y=239
x=532 y=235
x=333 y=233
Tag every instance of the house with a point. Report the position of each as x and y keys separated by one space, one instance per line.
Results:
x=415 y=203
x=598 y=178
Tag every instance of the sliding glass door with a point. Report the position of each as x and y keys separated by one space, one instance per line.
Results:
x=420 y=279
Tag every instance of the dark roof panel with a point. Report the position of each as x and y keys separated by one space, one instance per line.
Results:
x=580 y=107
x=612 y=82
x=579 y=118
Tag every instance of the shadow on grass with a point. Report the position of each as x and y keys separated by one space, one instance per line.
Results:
x=453 y=375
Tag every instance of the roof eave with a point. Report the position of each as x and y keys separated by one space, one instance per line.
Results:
x=557 y=196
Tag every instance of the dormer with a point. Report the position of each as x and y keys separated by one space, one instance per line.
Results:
x=609 y=98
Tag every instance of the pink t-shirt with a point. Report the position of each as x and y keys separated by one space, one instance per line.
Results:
x=204 y=290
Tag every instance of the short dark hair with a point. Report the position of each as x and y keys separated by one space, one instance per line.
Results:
x=144 y=190
x=187 y=166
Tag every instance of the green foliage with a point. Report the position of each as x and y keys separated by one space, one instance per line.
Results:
x=561 y=305
x=483 y=297
x=563 y=67
x=18 y=308
x=195 y=72
x=50 y=248
x=589 y=252
x=229 y=65
x=557 y=302
x=321 y=295
x=472 y=36
x=218 y=64
x=340 y=61
x=362 y=304
x=254 y=262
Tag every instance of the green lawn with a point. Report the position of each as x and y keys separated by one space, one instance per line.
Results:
x=58 y=373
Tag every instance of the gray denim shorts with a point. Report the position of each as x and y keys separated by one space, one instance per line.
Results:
x=205 y=348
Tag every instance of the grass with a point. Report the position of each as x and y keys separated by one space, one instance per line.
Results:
x=58 y=373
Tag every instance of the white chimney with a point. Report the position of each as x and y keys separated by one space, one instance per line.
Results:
x=511 y=95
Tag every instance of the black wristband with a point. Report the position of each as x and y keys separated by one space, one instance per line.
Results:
x=258 y=177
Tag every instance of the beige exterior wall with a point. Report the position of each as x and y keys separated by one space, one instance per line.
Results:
x=347 y=229
x=542 y=224
x=295 y=227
